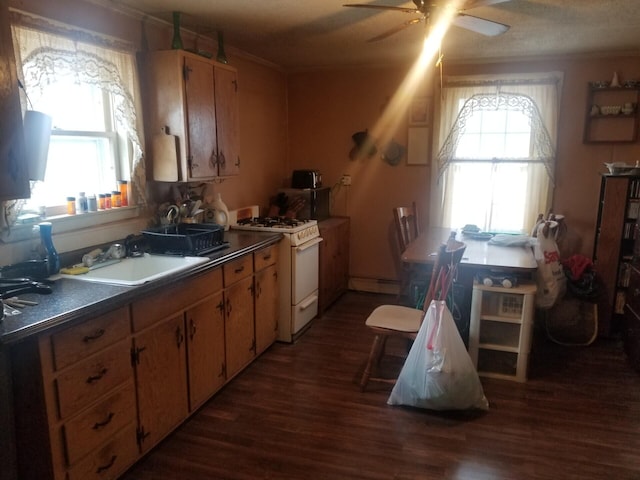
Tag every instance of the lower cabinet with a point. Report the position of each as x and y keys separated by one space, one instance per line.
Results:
x=161 y=377
x=238 y=318
x=267 y=304
x=334 y=260
x=91 y=398
x=75 y=407
x=205 y=349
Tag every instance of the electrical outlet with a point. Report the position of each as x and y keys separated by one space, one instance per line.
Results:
x=346 y=180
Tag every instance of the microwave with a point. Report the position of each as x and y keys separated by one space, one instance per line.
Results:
x=315 y=204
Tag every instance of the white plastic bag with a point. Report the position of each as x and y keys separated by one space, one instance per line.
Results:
x=438 y=373
x=552 y=284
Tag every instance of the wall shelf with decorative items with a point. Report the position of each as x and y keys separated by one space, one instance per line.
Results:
x=612 y=113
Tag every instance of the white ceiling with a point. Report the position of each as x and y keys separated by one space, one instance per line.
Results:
x=302 y=34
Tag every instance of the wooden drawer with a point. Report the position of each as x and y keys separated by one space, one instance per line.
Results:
x=109 y=461
x=237 y=270
x=95 y=426
x=92 y=378
x=147 y=311
x=80 y=341
x=266 y=257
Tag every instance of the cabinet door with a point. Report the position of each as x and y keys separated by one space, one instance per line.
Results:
x=239 y=329
x=205 y=349
x=14 y=182
x=201 y=118
x=267 y=307
x=226 y=96
x=161 y=379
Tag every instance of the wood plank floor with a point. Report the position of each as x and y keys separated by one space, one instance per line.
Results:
x=298 y=413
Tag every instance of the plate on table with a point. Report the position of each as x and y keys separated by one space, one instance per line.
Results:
x=481 y=236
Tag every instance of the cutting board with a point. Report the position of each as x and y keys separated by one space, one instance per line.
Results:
x=165 y=158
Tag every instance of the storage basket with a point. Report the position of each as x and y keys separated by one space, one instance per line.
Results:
x=185 y=238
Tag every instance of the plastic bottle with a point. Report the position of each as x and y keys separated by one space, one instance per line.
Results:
x=81 y=203
x=53 y=260
x=71 y=205
x=92 y=203
x=124 y=192
x=116 y=199
x=221 y=212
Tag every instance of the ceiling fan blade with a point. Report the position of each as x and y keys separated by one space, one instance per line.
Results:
x=480 y=25
x=481 y=3
x=382 y=7
x=397 y=29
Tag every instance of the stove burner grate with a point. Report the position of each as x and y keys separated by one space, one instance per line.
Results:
x=272 y=222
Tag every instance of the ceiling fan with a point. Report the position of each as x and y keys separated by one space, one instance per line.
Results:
x=426 y=7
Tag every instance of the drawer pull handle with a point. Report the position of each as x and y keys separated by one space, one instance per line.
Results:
x=98 y=333
x=239 y=269
x=266 y=257
x=99 y=425
x=98 y=376
x=108 y=465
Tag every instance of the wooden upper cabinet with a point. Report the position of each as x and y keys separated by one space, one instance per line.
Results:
x=191 y=116
x=14 y=178
x=226 y=81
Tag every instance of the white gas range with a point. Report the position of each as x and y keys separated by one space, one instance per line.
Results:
x=298 y=266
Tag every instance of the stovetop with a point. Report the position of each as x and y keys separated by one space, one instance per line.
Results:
x=278 y=223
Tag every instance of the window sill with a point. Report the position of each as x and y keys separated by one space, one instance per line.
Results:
x=68 y=223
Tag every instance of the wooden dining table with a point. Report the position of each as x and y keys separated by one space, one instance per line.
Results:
x=480 y=254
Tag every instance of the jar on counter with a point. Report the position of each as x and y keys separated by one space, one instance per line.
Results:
x=101 y=201
x=116 y=199
x=123 y=186
x=107 y=201
x=71 y=205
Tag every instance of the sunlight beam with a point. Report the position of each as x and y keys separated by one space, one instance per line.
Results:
x=396 y=110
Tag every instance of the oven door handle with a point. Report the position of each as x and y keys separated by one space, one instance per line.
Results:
x=307 y=303
x=308 y=244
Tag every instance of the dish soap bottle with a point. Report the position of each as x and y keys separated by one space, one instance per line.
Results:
x=221 y=212
x=53 y=260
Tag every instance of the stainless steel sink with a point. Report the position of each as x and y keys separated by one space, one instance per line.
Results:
x=139 y=270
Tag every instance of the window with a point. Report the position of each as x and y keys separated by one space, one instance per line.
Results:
x=83 y=153
x=495 y=165
x=90 y=90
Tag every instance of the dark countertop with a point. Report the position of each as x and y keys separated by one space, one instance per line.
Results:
x=74 y=299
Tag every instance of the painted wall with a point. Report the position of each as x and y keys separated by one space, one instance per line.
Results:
x=325 y=108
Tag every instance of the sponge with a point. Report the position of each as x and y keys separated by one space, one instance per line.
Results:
x=75 y=270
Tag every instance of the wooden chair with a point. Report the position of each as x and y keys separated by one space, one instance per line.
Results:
x=407 y=229
x=404 y=322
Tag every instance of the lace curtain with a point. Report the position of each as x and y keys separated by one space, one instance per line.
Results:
x=46 y=55
x=535 y=95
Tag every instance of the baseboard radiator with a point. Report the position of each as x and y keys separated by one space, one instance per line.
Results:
x=374 y=285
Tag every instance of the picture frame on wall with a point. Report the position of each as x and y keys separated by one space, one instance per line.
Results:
x=418 y=146
x=419 y=111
